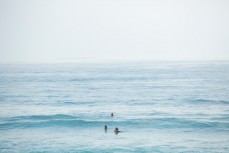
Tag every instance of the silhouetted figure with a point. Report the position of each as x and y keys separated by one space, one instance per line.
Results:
x=105 y=128
x=112 y=114
x=116 y=131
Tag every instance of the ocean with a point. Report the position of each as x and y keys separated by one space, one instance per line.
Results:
x=165 y=107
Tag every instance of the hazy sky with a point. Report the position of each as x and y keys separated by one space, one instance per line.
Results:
x=51 y=30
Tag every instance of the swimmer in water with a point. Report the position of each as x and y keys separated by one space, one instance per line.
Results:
x=116 y=130
x=112 y=114
x=105 y=128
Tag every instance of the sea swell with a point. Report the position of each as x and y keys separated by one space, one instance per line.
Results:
x=207 y=101
x=61 y=120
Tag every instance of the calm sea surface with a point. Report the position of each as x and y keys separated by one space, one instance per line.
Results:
x=158 y=106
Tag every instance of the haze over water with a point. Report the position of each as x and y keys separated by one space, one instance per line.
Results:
x=159 y=106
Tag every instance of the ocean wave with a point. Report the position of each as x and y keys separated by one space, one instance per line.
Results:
x=61 y=120
x=64 y=103
x=110 y=78
x=208 y=101
x=49 y=123
x=188 y=123
x=39 y=121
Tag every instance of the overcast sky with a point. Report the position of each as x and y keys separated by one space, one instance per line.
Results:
x=52 y=30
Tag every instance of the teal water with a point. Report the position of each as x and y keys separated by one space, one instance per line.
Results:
x=158 y=106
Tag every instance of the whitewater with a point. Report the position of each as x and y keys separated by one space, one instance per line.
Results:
x=158 y=106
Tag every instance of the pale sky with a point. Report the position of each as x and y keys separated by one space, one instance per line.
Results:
x=52 y=30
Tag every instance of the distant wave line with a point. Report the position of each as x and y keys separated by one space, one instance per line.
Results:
x=61 y=120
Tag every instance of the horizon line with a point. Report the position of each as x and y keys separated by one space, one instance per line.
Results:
x=96 y=60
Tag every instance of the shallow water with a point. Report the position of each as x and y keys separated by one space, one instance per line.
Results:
x=158 y=106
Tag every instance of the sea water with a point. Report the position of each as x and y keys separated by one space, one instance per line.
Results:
x=158 y=106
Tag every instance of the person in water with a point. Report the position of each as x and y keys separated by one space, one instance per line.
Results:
x=112 y=114
x=116 y=130
x=105 y=128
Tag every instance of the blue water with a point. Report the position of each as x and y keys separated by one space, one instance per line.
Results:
x=158 y=106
